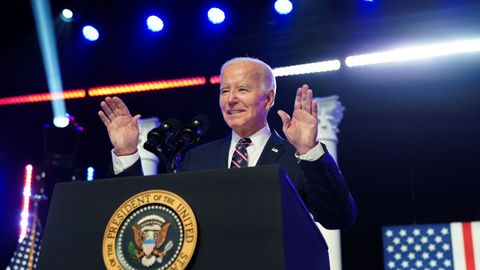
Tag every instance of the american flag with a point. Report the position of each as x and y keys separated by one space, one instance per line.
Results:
x=26 y=255
x=449 y=246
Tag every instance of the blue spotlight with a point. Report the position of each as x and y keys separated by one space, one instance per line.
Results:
x=61 y=121
x=67 y=15
x=283 y=7
x=90 y=33
x=90 y=173
x=48 y=47
x=216 y=15
x=154 y=23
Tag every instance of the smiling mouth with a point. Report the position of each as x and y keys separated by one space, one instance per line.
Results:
x=233 y=112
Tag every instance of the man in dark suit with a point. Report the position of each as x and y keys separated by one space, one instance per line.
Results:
x=247 y=93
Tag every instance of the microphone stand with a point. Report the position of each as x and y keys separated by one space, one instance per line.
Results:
x=173 y=162
x=187 y=137
x=159 y=153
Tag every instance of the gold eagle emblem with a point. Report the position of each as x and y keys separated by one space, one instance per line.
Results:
x=149 y=236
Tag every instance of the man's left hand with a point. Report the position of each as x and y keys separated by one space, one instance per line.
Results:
x=301 y=128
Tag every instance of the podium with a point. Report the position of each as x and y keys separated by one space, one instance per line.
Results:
x=250 y=218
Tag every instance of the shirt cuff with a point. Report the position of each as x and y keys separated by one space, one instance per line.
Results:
x=121 y=163
x=314 y=154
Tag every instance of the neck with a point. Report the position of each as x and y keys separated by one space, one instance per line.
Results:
x=248 y=133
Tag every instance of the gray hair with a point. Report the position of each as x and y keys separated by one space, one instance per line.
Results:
x=267 y=73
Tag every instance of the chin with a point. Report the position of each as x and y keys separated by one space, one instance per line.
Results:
x=234 y=125
x=234 y=121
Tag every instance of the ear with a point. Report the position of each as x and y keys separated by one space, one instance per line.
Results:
x=270 y=100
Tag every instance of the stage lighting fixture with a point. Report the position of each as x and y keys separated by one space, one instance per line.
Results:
x=67 y=15
x=415 y=53
x=90 y=173
x=61 y=144
x=216 y=15
x=154 y=23
x=215 y=79
x=145 y=86
x=90 y=33
x=27 y=192
x=283 y=7
x=41 y=97
x=317 y=67
x=61 y=121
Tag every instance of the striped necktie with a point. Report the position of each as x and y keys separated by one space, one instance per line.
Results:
x=240 y=156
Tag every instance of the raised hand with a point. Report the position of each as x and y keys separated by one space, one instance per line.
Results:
x=121 y=126
x=301 y=128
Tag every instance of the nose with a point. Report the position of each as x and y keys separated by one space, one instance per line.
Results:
x=232 y=98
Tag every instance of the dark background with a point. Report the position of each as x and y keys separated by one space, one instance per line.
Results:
x=408 y=141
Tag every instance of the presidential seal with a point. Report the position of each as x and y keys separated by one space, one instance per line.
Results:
x=155 y=229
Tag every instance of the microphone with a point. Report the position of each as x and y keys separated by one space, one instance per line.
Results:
x=163 y=134
x=167 y=140
x=192 y=133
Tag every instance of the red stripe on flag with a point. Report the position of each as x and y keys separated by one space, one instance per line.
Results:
x=468 y=243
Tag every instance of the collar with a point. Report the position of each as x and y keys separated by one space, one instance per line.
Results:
x=258 y=138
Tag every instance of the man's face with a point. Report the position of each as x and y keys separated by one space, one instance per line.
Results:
x=243 y=101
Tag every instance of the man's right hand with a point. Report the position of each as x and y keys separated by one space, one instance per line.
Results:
x=121 y=126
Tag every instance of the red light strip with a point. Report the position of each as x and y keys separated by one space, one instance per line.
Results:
x=109 y=90
x=215 y=79
x=27 y=192
x=145 y=86
x=41 y=97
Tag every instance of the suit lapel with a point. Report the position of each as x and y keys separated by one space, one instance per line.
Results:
x=223 y=149
x=273 y=150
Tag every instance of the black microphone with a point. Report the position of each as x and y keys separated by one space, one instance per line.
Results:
x=163 y=134
x=192 y=133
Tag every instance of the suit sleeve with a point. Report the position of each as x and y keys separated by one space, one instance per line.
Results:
x=134 y=170
x=326 y=193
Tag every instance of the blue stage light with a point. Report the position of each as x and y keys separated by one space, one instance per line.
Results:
x=283 y=6
x=67 y=15
x=90 y=173
x=154 y=23
x=90 y=33
x=46 y=37
x=216 y=15
x=61 y=121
